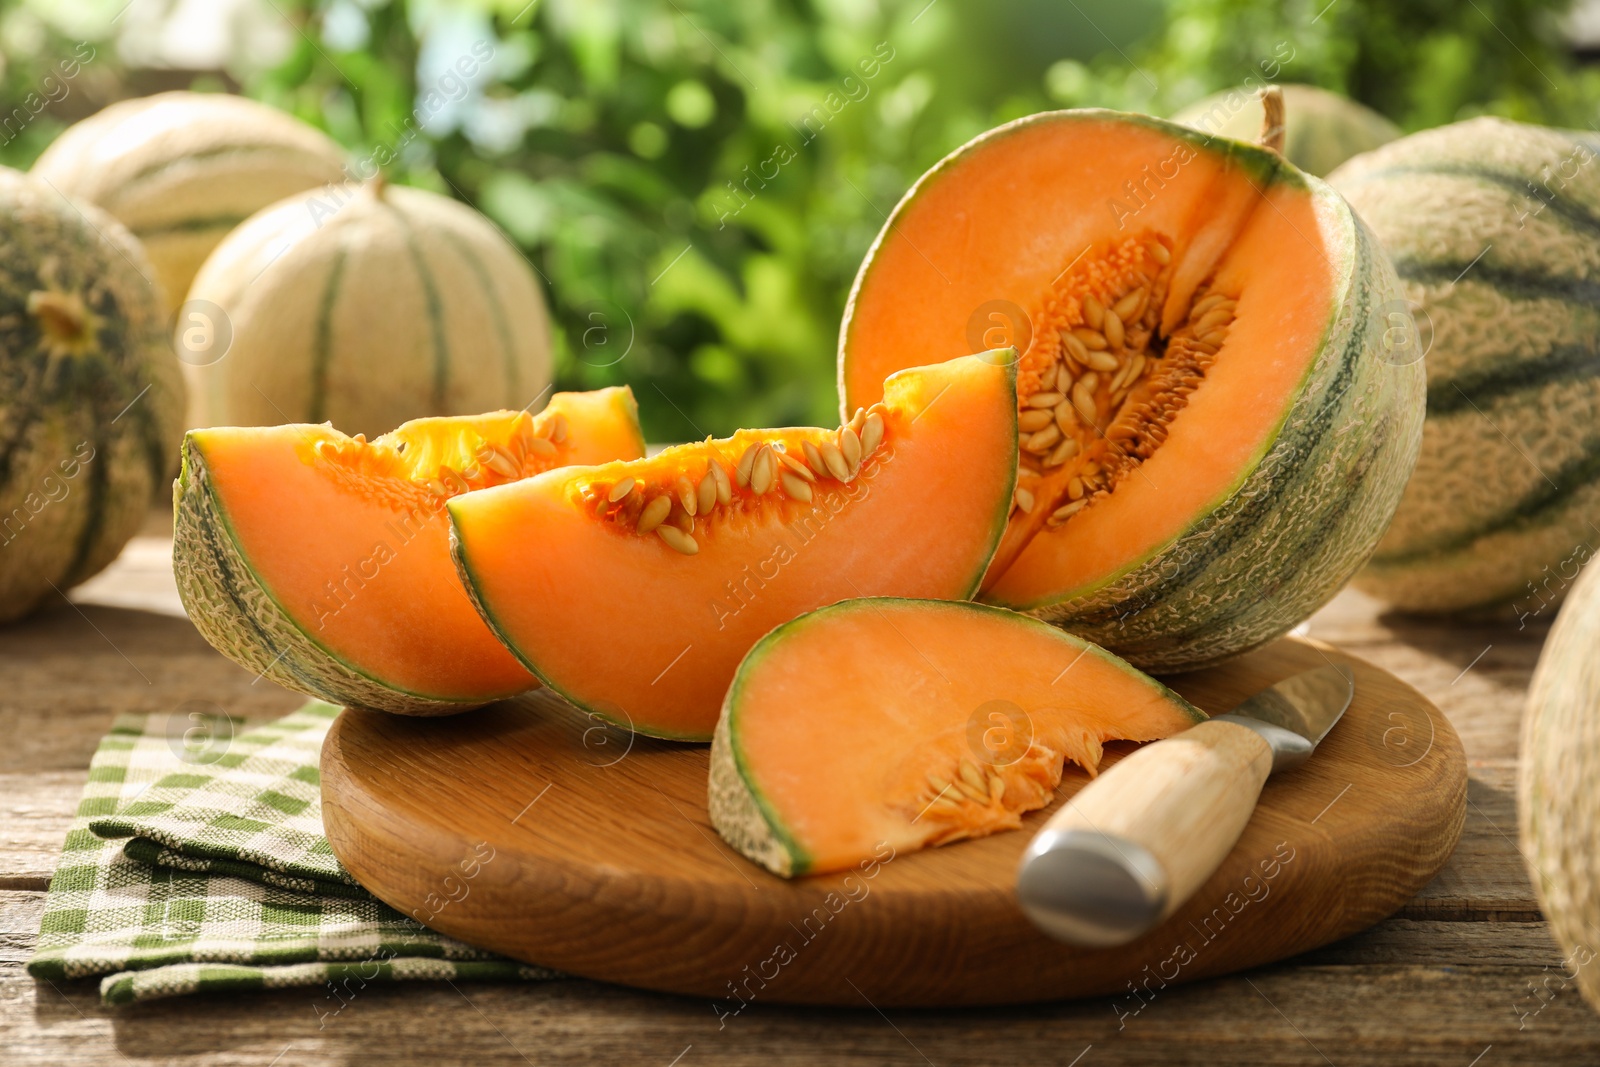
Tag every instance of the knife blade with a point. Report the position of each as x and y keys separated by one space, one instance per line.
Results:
x=1136 y=842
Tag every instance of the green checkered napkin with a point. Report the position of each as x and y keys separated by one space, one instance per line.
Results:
x=181 y=876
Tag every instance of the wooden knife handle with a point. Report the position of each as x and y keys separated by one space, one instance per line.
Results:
x=1135 y=843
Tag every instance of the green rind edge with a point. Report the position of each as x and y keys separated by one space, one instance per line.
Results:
x=740 y=811
x=1307 y=512
x=242 y=619
x=1005 y=358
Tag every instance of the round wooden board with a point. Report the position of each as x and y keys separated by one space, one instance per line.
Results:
x=531 y=830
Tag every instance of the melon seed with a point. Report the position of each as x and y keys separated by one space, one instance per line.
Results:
x=654 y=514
x=705 y=494
x=1159 y=253
x=938 y=783
x=1024 y=500
x=1075 y=348
x=1128 y=308
x=678 y=540
x=1083 y=401
x=1044 y=400
x=762 y=472
x=724 y=487
x=1032 y=421
x=541 y=448
x=1042 y=440
x=558 y=427
x=871 y=434
x=1113 y=331
x=1047 y=378
x=1075 y=489
x=795 y=486
x=1216 y=317
x=850 y=446
x=833 y=459
x=997 y=788
x=1103 y=361
x=794 y=464
x=1214 y=338
x=1093 y=311
x=858 y=420
x=498 y=460
x=813 y=457
x=1066 y=511
x=1066 y=418
x=741 y=473
x=971 y=775
x=1062 y=452
x=1092 y=339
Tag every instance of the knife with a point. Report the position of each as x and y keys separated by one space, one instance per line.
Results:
x=1136 y=842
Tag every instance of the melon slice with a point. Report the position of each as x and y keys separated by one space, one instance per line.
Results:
x=900 y=724
x=322 y=562
x=1217 y=405
x=634 y=589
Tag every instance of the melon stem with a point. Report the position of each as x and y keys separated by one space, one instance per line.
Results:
x=61 y=315
x=1272 y=118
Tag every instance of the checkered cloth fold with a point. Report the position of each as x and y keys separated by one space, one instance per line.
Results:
x=197 y=862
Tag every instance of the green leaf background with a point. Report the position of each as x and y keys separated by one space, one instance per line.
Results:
x=696 y=182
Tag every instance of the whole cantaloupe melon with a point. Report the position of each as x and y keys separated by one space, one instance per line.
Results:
x=1321 y=129
x=1494 y=228
x=90 y=394
x=181 y=169
x=367 y=306
x=1558 y=801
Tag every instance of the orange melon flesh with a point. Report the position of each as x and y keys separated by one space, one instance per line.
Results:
x=1007 y=218
x=351 y=540
x=623 y=624
x=843 y=727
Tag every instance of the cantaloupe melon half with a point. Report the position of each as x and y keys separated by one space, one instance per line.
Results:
x=1218 y=404
x=634 y=589
x=896 y=723
x=322 y=562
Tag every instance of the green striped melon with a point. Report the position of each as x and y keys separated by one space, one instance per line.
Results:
x=1321 y=129
x=90 y=395
x=366 y=306
x=1200 y=478
x=1494 y=227
x=181 y=169
x=1558 y=788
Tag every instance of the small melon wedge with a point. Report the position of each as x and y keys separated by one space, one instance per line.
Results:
x=634 y=589
x=910 y=723
x=322 y=562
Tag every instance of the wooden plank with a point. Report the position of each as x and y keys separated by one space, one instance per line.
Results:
x=1445 y=1014
x=1477 y=673
x=71 y=669
x=1485 y=879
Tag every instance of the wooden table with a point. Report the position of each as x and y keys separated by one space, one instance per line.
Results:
x=1450 y=980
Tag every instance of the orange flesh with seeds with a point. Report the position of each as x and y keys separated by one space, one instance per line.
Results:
x=997 y=223
x=660 y=632
x=351 y=539
x=920 y=688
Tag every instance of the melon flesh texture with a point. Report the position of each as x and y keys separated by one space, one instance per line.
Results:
x=871 y=723
x=1251 y=304
x=340 y=547
x=649 y=636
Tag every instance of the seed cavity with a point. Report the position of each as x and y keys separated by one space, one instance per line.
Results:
x=1100 y=385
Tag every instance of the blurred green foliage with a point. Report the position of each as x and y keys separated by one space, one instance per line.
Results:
x=696 y=182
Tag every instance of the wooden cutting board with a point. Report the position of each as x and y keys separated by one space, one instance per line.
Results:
x=532 y=830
